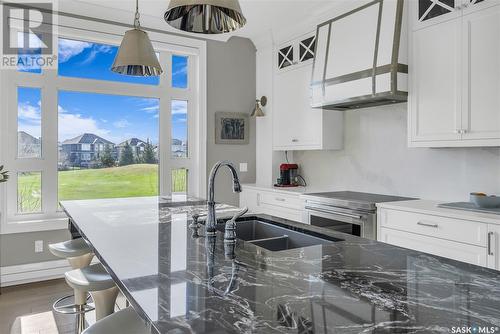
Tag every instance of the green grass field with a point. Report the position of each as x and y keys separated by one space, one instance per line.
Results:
x=126 y=181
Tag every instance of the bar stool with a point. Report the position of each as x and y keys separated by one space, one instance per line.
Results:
x=96 y=280
x=125 y=321
x=79 y=255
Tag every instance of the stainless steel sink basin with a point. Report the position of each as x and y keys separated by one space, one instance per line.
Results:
x=272 y=237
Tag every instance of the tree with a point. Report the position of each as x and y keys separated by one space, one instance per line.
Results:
x=107 y=159
x=127 y=155
x=148 y=155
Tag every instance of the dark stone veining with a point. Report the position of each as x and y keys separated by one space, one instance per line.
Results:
x=351 y=286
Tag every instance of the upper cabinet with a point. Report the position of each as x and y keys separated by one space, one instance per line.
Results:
x=455 y=73
x=296 y=125
x=299 y=51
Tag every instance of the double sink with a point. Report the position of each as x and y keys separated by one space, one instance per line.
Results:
x=274 y=238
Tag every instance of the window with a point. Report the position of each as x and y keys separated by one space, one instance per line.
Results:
x=179 y=180
x=179 y=134
x=89 y=60
x=179 y=71
x=74 y=135
x=24 y=60
x=29 y=192
x=29 y=123
x=125 y=168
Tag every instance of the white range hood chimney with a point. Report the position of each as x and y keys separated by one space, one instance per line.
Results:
x=361 y=58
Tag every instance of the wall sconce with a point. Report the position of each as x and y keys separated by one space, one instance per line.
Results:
x=259 y=103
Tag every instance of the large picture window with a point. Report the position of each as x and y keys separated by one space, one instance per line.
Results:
x=108 y=146
x=84 y=132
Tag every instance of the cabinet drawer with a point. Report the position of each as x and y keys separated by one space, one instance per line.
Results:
x=281 y=212
x=449 y=249
x=281 y=200
x=458 y=230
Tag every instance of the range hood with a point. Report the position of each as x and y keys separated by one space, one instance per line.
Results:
x=361 y=58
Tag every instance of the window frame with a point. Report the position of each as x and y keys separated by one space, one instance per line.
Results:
x=51 y=83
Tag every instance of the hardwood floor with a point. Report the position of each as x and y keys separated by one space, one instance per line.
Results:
x=27 y=309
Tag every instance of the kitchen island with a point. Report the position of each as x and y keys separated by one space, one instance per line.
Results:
x=181 y=282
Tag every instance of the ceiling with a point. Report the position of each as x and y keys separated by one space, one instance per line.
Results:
x=262 y=16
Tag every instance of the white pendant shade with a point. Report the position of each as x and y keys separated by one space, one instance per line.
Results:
x=205 y=16
x=136 y=55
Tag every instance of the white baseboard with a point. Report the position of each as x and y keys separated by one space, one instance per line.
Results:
x=34 y=272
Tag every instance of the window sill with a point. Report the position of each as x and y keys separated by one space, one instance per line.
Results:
x=11 y=227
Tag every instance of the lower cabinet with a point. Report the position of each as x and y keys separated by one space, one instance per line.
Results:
x=271 y=202
x=445 y=248
x=463 y=240
x=494 y=246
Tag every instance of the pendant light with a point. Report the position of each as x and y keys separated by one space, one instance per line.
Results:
x=136 y=55
x=205 y=16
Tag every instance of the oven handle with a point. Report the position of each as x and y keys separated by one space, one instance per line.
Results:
x=333 y=212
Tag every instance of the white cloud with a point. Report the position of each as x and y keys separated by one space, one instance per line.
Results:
x=69 y=48
x=182 y=70
x=151 y=109
x=96 y=49
x=72 y=125
x=122 y=123
x=29 y=113
x=179 y=107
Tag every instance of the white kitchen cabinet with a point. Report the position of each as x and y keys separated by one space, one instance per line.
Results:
x=435 y=77
x=278 y=203
x=445 y=248
x=493 y=246
x=297 y=126
x=481 y=92
x=459 y=235
x=455 y=75
x=296 y=52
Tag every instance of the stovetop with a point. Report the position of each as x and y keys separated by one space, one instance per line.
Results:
x=353 y=199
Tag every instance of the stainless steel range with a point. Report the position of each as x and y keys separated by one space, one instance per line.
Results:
x=346 y=211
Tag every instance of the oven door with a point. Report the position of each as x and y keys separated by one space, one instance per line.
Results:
x=355 y=222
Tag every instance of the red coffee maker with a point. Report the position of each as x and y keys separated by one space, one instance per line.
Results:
x=288 y=176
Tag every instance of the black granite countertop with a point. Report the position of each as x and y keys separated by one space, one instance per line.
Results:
x=182 y=283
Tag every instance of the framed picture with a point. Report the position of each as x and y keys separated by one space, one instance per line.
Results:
x=231 y=128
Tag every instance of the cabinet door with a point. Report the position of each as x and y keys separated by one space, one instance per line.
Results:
x=494 y=247
x=286 y=56
x=435 y=112
x=250 y=199
x=481 y=75
x=295 y=123
x=445 y=248
x=428 y=12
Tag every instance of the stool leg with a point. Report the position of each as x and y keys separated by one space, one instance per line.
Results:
x=104 y=302
x=80 y=321
x=80 y=297
x=81 y=261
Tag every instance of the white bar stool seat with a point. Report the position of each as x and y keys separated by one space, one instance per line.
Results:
x=96 y=280
x=79 y=255
x=125 y=321
x=70 y=248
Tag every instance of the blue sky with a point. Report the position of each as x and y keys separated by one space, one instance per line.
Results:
x=113 y=117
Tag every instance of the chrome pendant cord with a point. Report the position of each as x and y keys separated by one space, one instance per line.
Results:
x=137 y=22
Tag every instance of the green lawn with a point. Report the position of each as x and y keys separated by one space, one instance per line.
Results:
x=126 y=181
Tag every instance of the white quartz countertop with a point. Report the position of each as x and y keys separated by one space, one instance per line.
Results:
x=431 y=208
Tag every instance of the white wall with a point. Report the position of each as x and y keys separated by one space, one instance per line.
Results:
x=376 y=159
x=266 y=158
